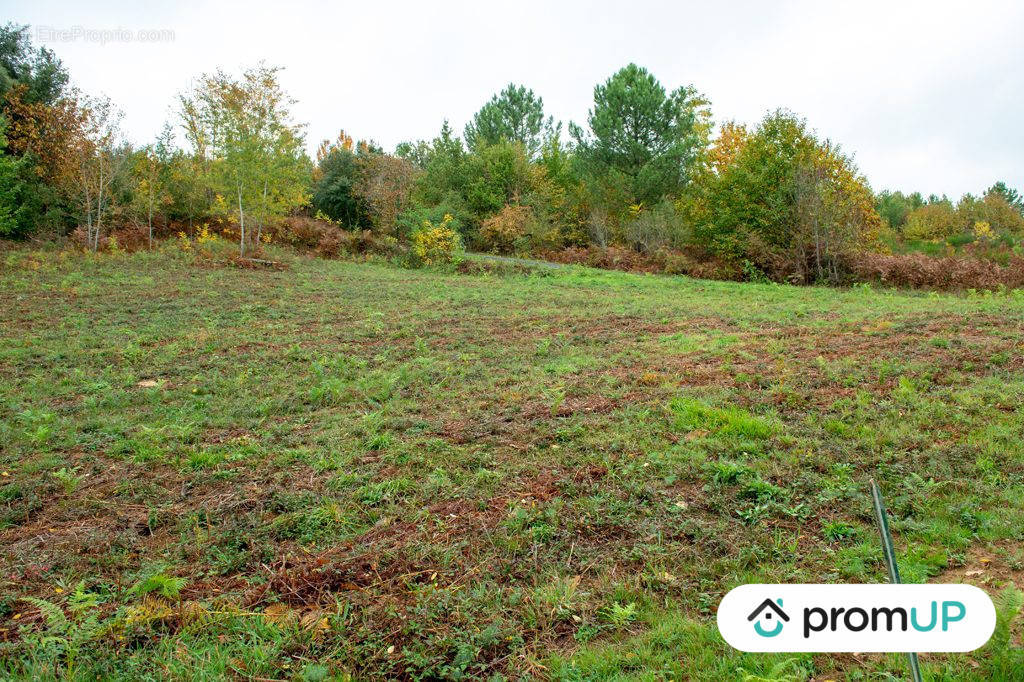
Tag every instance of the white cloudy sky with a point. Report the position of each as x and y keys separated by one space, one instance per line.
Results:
x=928 y=96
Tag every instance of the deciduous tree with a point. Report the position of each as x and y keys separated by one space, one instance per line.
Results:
x=1009 y=194
x=151 y=173
x=12 y=188
x=99 y=160
x=243 y=128
x=43 y=121
x=787 y=203
x=385 y=186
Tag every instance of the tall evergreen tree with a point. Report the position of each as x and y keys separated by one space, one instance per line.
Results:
x=513 y=115
x=648 y=137
x=1012 y=196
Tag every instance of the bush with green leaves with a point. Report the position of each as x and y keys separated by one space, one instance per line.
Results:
x=333 y=193
x=435 y=244
x=792 y=205
x=413 y=219
x=936 y=220
x=662 y=226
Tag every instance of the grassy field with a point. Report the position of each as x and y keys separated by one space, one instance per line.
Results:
x=349 y=470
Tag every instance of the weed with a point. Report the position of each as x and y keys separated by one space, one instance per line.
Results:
x=66 y=633
x=838 y=531
x=159 y=584
x=762 y=491
x=727 y=473
x=68 y=478
x=620 y=616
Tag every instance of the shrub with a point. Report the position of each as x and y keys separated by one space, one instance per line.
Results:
x=120 y=240
x=657 y=228
x=921 y=270
x=667 y=261
x=301 y=231
x=503 y=231
x=435 y=244
x=962 y=239
x=983 y=231
x=328 y=239
x=610 y=258
x=932 y=221
x=412 y=219
x=330 y=245
x=206 y=245
x=384 y=186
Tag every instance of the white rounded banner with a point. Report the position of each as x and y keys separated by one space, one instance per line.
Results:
x=856 y=618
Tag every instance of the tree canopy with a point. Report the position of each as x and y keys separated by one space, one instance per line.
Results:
x=513 y=115
x=650 y=137
x=244 y=128
x=37 y=68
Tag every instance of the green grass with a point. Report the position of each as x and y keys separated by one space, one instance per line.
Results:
x=346 y=469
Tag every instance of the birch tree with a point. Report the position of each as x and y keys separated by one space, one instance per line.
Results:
x=242 y=127
x=149 y=182
x=98 y=160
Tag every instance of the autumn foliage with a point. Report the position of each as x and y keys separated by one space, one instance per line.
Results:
x=647 y=183
x=502 y=231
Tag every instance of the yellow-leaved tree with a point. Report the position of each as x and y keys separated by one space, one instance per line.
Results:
x=242 y=128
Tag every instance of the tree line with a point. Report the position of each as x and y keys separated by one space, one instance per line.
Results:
x=65 y=164
x=648 y=171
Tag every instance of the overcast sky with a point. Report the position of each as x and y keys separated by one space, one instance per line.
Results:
x=926 y=96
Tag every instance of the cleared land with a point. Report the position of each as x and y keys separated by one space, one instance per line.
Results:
x=352 y=468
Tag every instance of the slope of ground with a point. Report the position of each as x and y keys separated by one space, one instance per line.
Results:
x=348 y=468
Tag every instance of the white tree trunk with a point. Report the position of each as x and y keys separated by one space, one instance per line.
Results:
x=263 y=215
x=99 y=210
x=241 y=224
x=88 y=213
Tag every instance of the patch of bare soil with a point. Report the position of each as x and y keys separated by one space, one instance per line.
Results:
x=993 y=568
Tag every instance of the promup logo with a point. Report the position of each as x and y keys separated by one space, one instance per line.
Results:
x=865 y=618
x=765 y=612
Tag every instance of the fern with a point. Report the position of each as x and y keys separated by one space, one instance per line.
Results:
x=1008 y=605
x=166 y=586
x=54 y=615
x=63 y=635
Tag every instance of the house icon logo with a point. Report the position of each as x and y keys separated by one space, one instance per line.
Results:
x=770 y=618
